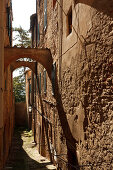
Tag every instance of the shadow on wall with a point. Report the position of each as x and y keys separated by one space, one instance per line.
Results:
x=70 y=141
x=106 y=8
x=102 y=5
x=45 y=128
x=21 y=114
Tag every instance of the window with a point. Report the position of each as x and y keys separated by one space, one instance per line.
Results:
x=34 y=84
x=34 y=89
x=45 y=14
x=38 y=33
x=37 y=84
x=69 y=21
x=29 y=88
x=54 y=2
x=39 y=2
x=44 y=81
x=29 y=93
x=33 y=29
x=40 y=84
x=53 y=77
x=5 y=84
x=11 y=4
x=9 y=24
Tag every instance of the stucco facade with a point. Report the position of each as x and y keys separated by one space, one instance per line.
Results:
x=73 y=107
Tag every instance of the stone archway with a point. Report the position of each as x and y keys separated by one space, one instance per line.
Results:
x=42 y=55
x=17 y=64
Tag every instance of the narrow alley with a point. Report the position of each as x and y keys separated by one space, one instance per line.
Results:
x=23 y=154
x=64 y=95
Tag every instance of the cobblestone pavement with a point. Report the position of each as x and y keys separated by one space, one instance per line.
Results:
x=24 y=155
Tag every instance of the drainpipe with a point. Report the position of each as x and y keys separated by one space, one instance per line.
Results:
x=1 y=78
x=60 y=22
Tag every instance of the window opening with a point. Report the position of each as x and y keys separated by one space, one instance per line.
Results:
x=37 y=84
x=5 y=84
x=54 y=2
x=53 y=77
x=45 y=14
x=29 y=93
x=39 y=2
x=44 y=81
x=40 y=84
x=34 y=89
x=38 y=34
x=9 y=24
x=69 y=21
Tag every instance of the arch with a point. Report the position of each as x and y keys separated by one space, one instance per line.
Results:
x=17 y=64
x=41 y=55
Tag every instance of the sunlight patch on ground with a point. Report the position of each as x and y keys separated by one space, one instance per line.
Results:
x=31 y=149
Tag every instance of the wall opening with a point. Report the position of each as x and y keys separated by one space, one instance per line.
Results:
x=72 y=160
x=54 y=2
x=69 y=21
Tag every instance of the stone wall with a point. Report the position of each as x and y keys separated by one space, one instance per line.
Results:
x=78 y=124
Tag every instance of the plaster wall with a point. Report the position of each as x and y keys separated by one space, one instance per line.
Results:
x=83 y=94
x=1 y=81
x=6 y=90
x=9 y=113
x=48 y=38
x=81 y=110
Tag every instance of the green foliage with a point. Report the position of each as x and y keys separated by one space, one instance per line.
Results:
x=19 y=88
x=22 y=37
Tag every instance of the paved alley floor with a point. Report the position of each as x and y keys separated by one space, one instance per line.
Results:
x=24 y=155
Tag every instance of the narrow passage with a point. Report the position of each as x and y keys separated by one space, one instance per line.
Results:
x=24 y=154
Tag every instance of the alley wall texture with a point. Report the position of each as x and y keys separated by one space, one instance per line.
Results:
x=7 y=108
x=73 y=111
